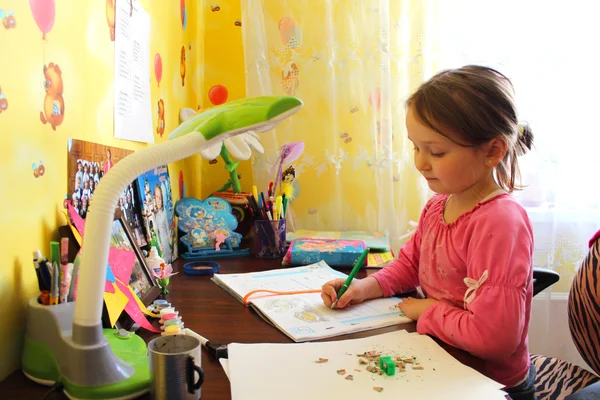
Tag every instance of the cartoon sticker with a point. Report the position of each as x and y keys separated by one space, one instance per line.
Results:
x=3 y=101
x=8 y=19
x=54 y=105
x=38 y=169
x=160 y=123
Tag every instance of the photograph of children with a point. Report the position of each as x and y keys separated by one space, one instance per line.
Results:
x=158 y=212
x=86 y=165
x=139 y=281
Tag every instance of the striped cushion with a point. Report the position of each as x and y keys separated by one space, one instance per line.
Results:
x=584 y=308
x=556 y=379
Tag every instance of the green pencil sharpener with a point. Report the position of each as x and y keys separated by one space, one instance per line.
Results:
x=114 y=367
x=387 y=365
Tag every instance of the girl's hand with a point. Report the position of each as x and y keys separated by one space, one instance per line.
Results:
x=413 y=308
x=359 y=291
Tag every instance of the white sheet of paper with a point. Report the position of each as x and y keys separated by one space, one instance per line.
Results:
x=133 y=109
x=275 y=371
x=304 y=317
x=225 y=364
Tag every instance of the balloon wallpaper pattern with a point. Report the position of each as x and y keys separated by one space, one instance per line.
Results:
x=158 y=68
x=218 y=94
x=60 y=86
x=43 y=13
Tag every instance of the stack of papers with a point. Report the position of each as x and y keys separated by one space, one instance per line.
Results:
x=345 y=370
x=304 y=317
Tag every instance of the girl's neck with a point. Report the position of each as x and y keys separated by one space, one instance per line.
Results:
x=463 y=202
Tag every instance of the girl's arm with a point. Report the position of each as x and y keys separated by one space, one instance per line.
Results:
x=402 y=274
x=492 y=324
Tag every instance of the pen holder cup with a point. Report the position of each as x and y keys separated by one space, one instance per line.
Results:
x=269 y=238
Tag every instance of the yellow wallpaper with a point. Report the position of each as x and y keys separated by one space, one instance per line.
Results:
x=78 y=40
x=223 y=48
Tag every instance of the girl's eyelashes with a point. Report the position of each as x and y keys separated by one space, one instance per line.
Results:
x=438 y=155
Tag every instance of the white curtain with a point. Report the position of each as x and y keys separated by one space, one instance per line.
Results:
x=550 y=51
x=353 y=63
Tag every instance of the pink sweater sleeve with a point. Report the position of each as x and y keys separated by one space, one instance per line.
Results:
x=491 y=326
x=402 y=274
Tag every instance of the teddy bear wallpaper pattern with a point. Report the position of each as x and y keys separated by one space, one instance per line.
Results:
x=56 y=83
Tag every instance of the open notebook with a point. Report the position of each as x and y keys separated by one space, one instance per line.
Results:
x=342 y=370
x=304 y=317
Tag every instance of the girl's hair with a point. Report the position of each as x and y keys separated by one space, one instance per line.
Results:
x=471 y=106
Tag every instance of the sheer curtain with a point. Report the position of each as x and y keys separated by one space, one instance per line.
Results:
x=353 y=63
x=549 y=50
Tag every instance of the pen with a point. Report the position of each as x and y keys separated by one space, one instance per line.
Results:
x=359 y=263
x=37 y=256
x=255 y=192
x=55 y=284
x=214 y=349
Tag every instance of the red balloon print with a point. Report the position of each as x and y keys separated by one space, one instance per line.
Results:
x=158 y=68
x=43 y=13
x=218 y=94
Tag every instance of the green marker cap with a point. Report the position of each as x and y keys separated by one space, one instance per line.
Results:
x=55 y=252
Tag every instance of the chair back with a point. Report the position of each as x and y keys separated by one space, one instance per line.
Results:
x=584 y=308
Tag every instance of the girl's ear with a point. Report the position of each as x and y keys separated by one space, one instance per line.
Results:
x=496 y=150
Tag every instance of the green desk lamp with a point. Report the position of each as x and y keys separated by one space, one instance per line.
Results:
x=65 y=342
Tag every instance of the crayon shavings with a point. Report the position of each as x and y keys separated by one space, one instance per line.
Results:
x=369 y=361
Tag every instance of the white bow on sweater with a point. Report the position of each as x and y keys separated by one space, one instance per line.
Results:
x=472 y=286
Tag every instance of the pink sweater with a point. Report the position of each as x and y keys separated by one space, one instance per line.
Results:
x=492 y=323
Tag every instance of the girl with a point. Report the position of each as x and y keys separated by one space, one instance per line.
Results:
x=472 y=252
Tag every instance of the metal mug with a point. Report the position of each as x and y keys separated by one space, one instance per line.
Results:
x=174 y=362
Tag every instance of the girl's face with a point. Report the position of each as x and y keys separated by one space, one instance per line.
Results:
x=158 y=198
x=108 y=154
x=84 y=202
x=76 y=202
x=447 y=166
x=86 y=184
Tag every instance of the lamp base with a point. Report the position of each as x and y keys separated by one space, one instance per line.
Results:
x=116 y=368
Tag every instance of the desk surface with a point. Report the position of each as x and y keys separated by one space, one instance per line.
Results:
x=210 y=311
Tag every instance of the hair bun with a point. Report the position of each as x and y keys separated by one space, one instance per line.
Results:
x=524 y=139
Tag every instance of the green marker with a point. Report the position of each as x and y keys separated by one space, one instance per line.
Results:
x=359 y=263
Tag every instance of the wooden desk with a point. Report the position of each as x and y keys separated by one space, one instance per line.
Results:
x=210 y=311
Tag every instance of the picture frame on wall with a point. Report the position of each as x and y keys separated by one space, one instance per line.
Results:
x=155 y=198
x=87 y=164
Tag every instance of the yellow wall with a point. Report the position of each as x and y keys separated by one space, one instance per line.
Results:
x=79 y=43
x=225 y=66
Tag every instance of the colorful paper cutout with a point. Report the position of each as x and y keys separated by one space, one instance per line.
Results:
x=115 y=300
x=120 y=265
x=133 y=308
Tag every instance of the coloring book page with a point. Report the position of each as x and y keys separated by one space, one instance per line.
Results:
x=304 y=317
x=349 y=369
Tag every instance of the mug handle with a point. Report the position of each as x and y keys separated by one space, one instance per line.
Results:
x=190 y=368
